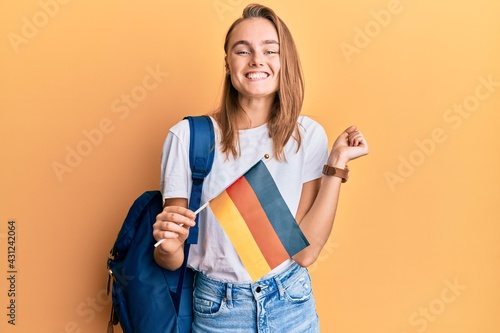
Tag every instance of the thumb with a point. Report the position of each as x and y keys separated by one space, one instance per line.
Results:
x=350 y=129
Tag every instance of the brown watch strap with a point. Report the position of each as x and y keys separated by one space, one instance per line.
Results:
x=329 y=170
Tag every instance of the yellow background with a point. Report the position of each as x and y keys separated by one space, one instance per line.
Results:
x=415 y=243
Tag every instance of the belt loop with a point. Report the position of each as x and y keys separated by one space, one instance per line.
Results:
x=280 y=287
x=229 y=295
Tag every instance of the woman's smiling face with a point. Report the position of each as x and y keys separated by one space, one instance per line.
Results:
x=253 y=59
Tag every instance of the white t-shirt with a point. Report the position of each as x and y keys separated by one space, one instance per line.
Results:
x=214 y=255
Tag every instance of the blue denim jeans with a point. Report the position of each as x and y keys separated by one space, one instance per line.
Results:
x=281 y=304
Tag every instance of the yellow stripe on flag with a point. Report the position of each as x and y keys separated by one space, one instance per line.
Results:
x=237 y=230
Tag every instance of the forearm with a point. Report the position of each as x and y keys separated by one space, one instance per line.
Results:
x=172 y=226
x=317 y=223
x=168 y=260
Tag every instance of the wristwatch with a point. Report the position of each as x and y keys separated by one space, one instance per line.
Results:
x=329 y=170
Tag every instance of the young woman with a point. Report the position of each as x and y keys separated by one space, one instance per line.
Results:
x=259 y=114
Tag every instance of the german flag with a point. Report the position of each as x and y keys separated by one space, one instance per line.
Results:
x=258 y=222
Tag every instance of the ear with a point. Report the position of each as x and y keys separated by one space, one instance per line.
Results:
x=226 y=65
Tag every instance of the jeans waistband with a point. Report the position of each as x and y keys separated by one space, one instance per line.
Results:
x=259 y=289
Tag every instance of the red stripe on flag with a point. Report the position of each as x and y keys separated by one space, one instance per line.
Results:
x=244 y=198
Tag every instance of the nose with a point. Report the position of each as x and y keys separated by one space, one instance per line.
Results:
x=256 y=60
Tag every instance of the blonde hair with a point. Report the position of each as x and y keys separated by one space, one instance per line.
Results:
x=282 y=123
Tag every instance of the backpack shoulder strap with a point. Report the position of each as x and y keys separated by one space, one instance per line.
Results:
x=201 y=157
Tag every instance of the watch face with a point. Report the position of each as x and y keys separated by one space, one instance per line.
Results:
x=328 y=170
x=333 y=171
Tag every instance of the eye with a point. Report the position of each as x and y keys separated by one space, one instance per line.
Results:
x=242 y=52
x=271 y=52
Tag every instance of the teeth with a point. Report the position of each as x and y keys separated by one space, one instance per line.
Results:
x=257 y=75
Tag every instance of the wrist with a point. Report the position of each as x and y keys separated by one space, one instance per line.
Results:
x=168 y=260
x=337 y=160
x=159 y=250
x=343 y=174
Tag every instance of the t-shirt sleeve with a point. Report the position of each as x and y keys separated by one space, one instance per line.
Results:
x=175 y=171
x=315 y=141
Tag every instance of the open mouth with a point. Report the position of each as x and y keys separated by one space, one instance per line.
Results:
x=256 y=75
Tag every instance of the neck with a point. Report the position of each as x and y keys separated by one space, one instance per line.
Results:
x=255 y=111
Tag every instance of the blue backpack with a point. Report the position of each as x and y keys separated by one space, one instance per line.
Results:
x=146 y=297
